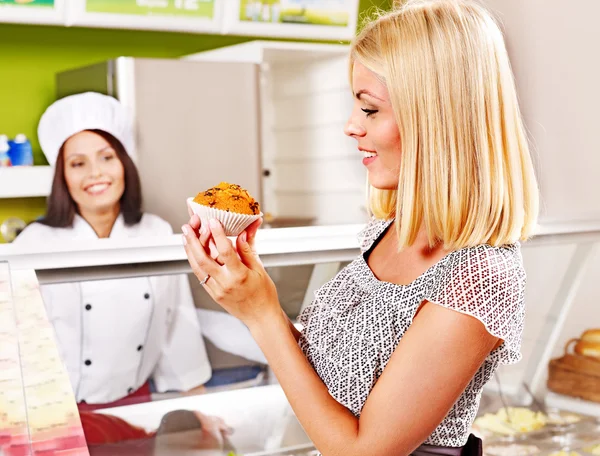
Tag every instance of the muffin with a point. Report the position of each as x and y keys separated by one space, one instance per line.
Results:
x=230 y=198
x=229 y=203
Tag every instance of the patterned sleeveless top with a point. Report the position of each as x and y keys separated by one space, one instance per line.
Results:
x=355 y=322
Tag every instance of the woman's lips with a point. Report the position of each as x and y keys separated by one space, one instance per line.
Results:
x=97 y=189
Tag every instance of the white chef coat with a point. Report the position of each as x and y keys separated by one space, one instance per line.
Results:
x=113 y=335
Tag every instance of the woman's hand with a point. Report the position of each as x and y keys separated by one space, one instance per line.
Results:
x=237 y=280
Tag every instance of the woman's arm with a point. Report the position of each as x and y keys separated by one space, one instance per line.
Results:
x=293 y=329
x=436 y=359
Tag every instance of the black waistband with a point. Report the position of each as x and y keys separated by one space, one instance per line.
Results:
x=472 y=448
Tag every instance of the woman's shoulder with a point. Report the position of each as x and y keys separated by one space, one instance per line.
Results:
x=372 y=230
x=37 y=232
x=487 y=258
x=480 y=273
x=488 y=283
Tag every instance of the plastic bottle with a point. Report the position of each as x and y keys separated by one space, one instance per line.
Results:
x=20 y=152
x=4 y=147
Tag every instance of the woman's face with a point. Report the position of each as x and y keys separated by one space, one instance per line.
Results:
x=373 y=125
x=94 y=174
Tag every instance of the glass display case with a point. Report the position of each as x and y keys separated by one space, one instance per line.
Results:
x=43 y=408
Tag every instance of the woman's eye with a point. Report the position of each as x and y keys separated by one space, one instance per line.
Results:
x=368 y=112
x=108 y=157
x=76 y=164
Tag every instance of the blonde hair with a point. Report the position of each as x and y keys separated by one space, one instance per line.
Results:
x=466 y=173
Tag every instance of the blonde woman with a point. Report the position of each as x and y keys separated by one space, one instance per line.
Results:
x=396 y=349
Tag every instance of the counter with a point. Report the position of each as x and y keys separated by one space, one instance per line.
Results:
x=39 y=413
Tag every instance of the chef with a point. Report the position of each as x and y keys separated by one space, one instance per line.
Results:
x=116 y=337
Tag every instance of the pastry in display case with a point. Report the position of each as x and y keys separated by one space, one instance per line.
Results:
x=577 y=374
x=39 y=413
x=514 y=431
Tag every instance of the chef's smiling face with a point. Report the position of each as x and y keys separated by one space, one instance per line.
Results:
x=93 y=172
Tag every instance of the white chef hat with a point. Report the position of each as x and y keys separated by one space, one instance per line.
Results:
x=86 y=111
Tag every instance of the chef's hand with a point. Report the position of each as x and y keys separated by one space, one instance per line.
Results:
x=213 y=429
x=237 y=279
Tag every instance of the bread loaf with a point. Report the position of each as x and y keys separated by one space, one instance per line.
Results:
x=591 y=335
x=587 y=349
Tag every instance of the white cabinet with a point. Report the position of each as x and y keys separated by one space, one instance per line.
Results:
x=49 y=12
x=195 y=16
x=311 y=170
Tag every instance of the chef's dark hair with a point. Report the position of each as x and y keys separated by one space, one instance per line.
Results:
x=61 y=209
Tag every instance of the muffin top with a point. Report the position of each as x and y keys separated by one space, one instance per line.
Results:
x=229 y=197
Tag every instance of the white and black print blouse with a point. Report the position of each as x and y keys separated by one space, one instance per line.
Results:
x=356 y=321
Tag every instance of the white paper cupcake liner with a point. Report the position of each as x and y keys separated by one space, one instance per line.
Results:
x=232 y=222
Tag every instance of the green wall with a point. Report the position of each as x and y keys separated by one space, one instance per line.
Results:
x=30 y=56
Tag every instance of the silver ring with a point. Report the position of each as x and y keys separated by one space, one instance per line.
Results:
x=203 y=282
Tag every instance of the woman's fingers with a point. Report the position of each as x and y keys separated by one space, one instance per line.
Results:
x=204 y=234
x=194 y=223
x=205 y=238
x=227 y=254
x=202 y=264
x=251 y=232
x=246 y=252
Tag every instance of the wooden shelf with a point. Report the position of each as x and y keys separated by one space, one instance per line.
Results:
x=25 y=181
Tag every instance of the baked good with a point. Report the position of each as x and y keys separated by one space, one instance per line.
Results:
x=229 y=197
x=587 y=349
x=592 y=336
x=229 y=203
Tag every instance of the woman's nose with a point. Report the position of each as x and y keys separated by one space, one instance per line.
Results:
x=352 y=128
x=95 y=169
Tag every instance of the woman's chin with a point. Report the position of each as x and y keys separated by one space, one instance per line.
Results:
x=99 y=206
x=382 y=185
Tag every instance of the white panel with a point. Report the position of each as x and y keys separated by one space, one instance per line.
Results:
x=315 y=143
x=554 y=53
x=300 y=79
x=585 y=313
x=344 y=207
x=317 y=170
x=545 y=267
x=329 y=108
x=321 y=174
